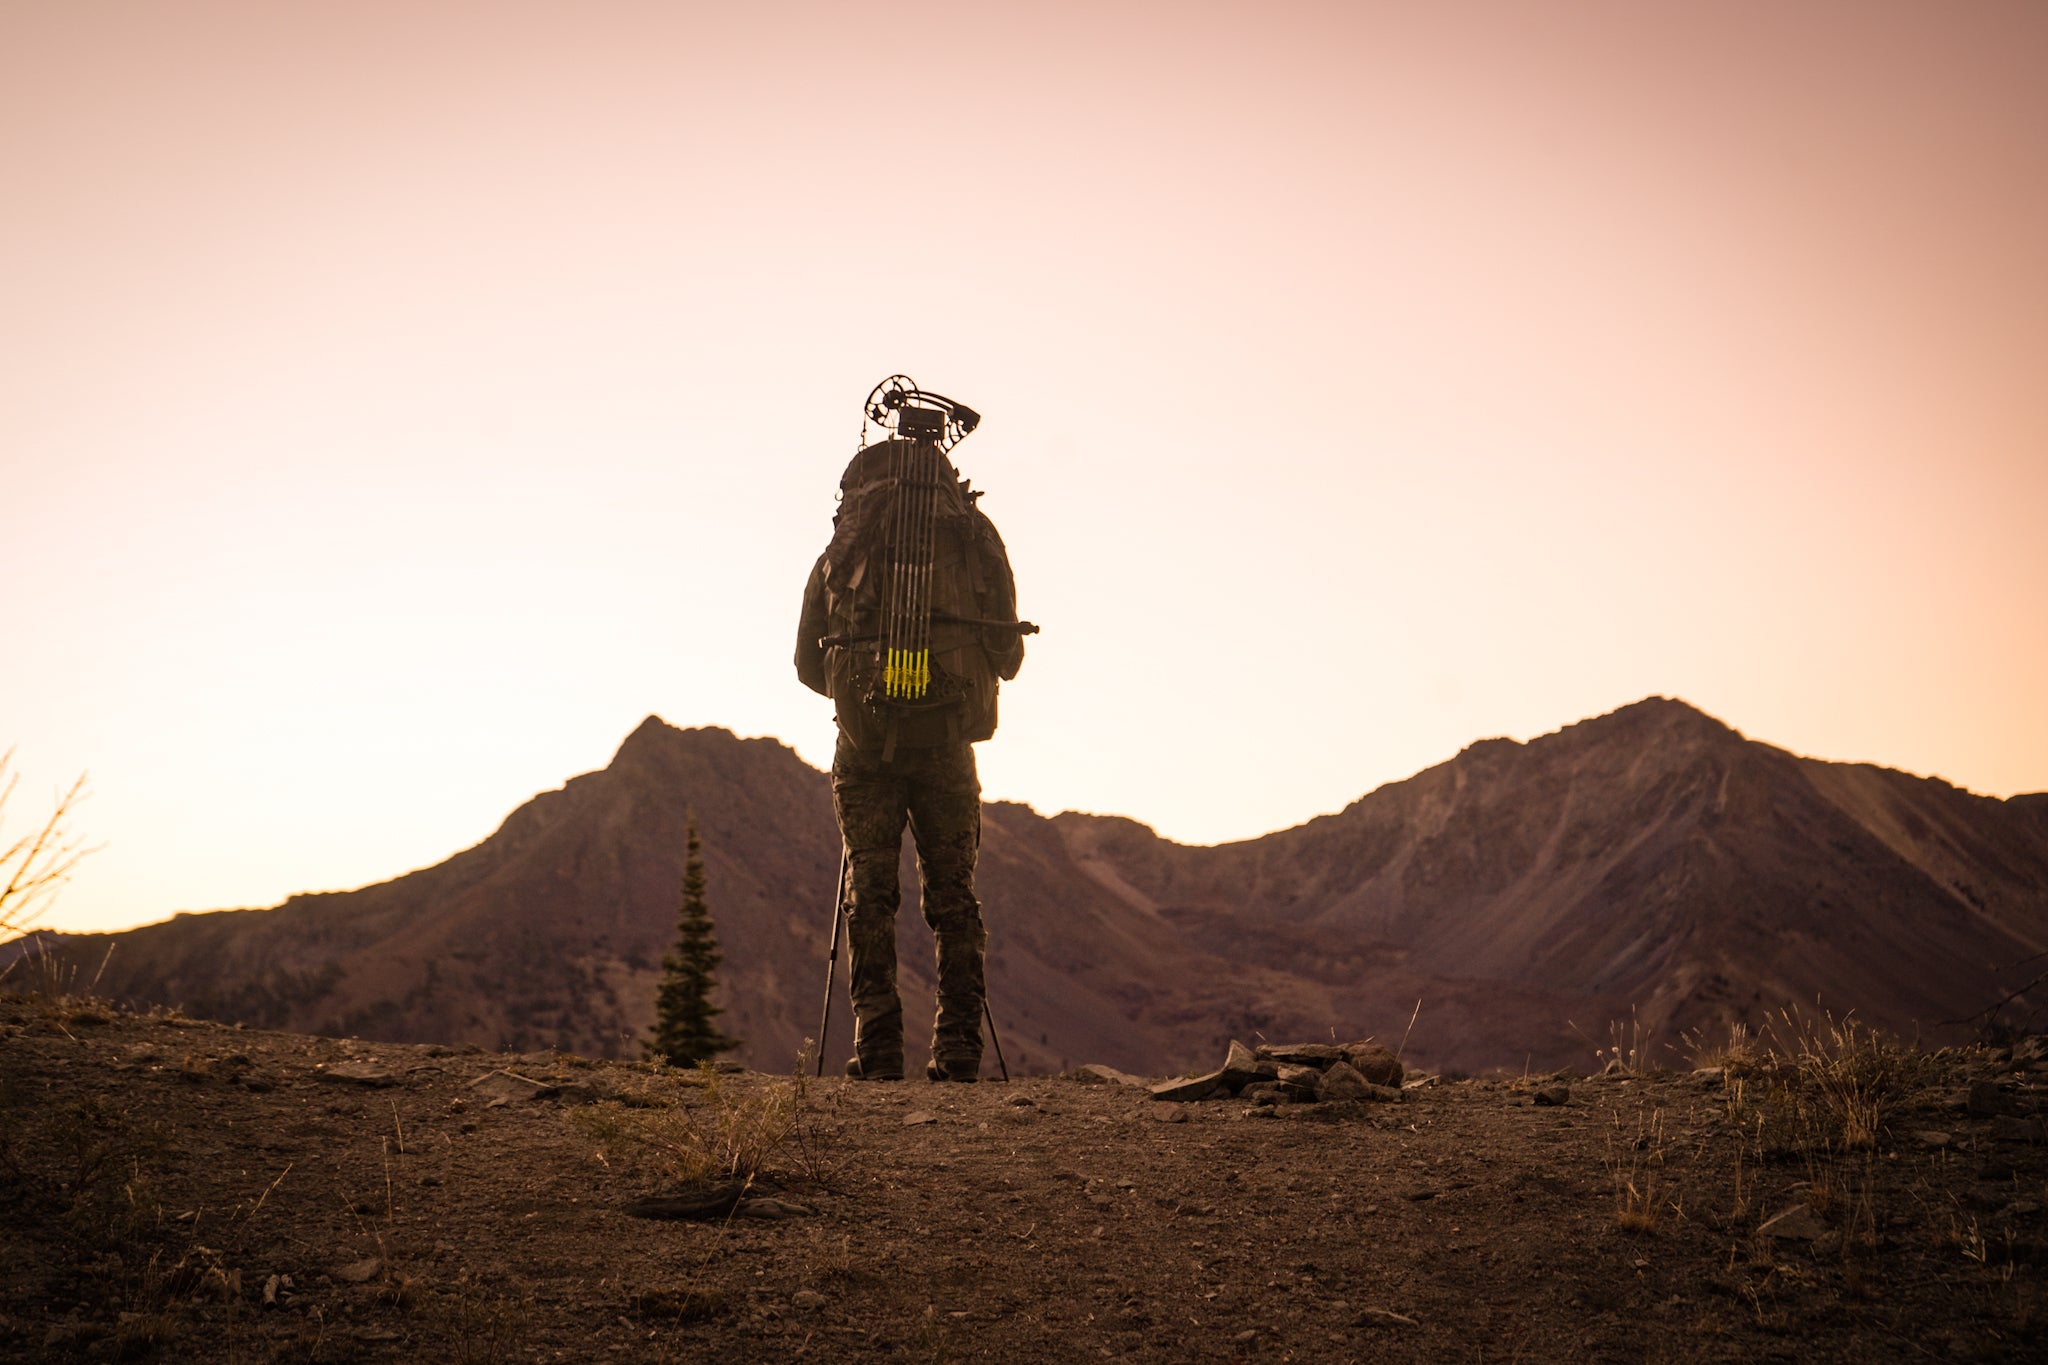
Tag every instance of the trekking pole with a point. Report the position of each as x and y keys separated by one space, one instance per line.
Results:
x=990 y=1015
x=832 y=959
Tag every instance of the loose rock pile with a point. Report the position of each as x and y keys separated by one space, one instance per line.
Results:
x=1284 y=1073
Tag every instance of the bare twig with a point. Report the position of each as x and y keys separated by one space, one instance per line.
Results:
x=1410 y=1029
x=33 y=867
x=1995 y=1006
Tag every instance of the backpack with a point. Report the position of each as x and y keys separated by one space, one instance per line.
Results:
x=921 y=604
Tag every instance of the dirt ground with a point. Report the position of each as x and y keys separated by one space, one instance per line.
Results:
x=178 y=1190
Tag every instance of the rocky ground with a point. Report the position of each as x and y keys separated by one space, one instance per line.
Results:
x=185 y=1191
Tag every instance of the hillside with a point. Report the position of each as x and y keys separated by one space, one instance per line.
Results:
x=1651 y=865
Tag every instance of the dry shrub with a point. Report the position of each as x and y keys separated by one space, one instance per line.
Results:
x=1737 y=1049
x=1816 y=1085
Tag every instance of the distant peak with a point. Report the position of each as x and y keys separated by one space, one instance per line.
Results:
x=655 y=740
x=652 y=731
x=1668 y=713
x=649 y=737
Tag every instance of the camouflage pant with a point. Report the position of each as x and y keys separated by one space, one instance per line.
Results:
x=939 y=793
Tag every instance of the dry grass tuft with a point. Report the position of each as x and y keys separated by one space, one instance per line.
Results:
x=730 y=1134
x=49 y=983
x=1628 y=1047
x=1635 y=1164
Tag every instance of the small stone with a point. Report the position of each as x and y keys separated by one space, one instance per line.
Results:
x=709 y=1201
x=1021 y=1102
x=1928 y=1137
x=1317 y=1055
x=1796 y=1224
x=1187 y=1089
x=1097 y=1074
x=1247 y=1336
x=1171 y=1113
x=810 y=1300
x=1267 y=1093
x=917 y=1116
x=358 y=1073
x=1552 y=1095
x=1342 y=1082
x=508 y=1087
x=362 y=1272
x=1374 y=1062
x=270 y=1288
x=1243 y=1067
x=1382 y=1317
x=577 y=1092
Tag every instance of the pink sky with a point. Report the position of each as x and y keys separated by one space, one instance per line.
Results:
x=399 y=401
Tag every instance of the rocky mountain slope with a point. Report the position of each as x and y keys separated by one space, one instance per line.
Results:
x=1650 y=866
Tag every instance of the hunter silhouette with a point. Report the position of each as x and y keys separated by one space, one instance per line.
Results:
x=909 y=625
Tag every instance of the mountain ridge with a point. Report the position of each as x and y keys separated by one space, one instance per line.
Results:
x=1650 y=864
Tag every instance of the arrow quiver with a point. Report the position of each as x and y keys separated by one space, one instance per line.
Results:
x=917 y=583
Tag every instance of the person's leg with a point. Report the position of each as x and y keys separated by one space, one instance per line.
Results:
x=945 y=816
x=870 y=805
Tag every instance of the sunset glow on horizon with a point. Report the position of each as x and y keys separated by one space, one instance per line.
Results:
x=400 y=401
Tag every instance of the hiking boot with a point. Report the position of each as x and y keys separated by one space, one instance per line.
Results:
x=956 y=1070
x=875 y=1072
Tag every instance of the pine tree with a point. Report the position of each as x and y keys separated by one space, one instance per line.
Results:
x=684 y=1029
